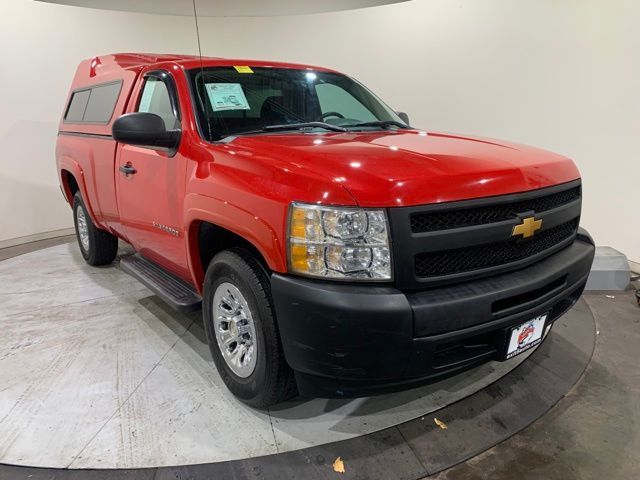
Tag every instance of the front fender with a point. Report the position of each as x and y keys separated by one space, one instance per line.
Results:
x=255 y=230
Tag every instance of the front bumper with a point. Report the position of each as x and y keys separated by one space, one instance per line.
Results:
x=345 y=340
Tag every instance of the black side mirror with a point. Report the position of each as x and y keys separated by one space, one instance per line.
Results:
x=404 y=117
x=145 y=129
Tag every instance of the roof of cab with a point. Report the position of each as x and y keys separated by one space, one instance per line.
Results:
x=131 y=61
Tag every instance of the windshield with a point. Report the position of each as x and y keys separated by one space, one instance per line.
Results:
x=232 y=101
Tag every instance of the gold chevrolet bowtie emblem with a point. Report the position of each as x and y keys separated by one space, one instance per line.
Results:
x=527 y=228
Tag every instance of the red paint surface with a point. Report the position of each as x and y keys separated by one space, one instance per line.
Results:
x=247 y=185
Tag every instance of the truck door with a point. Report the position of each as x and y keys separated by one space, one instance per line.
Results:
x=151 y=182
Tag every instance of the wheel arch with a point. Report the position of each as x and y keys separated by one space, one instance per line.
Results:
x=69 y=185
x=72 y=180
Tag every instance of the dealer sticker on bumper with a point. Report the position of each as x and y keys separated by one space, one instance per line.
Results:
x=526 y=336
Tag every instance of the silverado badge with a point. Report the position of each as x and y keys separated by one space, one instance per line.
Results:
x=527 y=228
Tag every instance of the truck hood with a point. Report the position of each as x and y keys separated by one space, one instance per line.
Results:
x=402 y=168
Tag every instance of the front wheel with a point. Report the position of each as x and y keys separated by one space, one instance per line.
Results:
x=241 y=330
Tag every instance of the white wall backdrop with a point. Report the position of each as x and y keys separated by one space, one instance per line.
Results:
x=40 y=47
x=559 y=74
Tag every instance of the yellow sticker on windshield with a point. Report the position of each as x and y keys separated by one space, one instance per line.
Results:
x=243 y=69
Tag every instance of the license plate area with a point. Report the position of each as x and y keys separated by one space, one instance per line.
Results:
x=525 y=336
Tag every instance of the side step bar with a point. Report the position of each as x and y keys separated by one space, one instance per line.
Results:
x=177 y=293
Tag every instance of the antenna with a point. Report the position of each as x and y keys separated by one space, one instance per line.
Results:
x=195 y=16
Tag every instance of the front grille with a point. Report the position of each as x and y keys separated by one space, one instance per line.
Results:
x=452 y=242
x=486 y=256
x=432 y=221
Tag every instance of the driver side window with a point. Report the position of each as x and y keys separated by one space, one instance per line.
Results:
x=333 y=98
x=155 y=99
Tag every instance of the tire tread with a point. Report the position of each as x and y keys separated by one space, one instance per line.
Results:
x=103 y=246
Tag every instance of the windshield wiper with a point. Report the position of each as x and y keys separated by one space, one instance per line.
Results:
x=294 y=126
x=300 y=126
x=380 y=123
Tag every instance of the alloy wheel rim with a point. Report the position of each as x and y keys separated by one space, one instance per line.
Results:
x=235 y=330
x=83 y=228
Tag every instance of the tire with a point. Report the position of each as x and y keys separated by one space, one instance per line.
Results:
x=263 y=378
x=97 y=246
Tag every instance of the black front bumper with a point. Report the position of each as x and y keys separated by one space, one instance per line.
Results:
x=345 y=340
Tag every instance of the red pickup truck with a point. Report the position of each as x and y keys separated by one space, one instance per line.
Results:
x=334 y=249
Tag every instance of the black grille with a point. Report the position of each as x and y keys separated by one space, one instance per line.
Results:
x=428 y=222
x=475 y=258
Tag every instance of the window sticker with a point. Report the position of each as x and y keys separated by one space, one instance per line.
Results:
x=243 y=69
x=147 y=95
x=227 y=96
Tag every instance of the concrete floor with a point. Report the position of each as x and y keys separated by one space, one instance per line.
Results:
x=96 y=372
x=594 y=432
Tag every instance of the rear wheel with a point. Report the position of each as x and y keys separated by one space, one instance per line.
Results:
x=97 y=246
x=242 y=332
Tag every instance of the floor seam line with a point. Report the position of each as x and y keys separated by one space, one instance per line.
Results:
x=413 y=451
x=180 y=337
x=273 y=432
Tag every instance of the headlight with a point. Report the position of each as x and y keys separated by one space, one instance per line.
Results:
x=339 y=242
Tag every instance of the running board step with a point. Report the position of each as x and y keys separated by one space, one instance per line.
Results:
x=177 y=293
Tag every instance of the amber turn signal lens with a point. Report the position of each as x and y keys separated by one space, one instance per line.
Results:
x=299 y=258
x=298 y=223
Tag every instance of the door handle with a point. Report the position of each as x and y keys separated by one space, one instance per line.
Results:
x=128 y=169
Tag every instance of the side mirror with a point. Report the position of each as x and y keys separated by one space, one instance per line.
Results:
x=404 y=117
x=146 y=130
